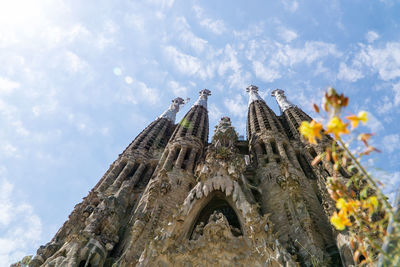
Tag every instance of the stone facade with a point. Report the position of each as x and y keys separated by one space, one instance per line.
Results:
x=173 y=199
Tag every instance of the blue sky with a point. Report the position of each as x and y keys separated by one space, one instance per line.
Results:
x=80 y=79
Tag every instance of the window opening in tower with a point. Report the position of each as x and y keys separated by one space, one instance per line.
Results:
x=186 y=158
x=305 y=166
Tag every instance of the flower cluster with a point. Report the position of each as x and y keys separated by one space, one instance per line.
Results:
x=348 y=208
x=361 y=208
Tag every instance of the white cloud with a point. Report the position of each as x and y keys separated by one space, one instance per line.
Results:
x=267 y=74
x=320 y=68
x=216 y=26
x=73 y=63
x=349 y=74
x=311 y=51
x=9 y=150
x=236 y=106
x=276 y=55
x=162 y=3
x=188 y=37
x=287 y=35
x=396 y=90
x=230 y=65
x=7 y=85
x=214 y=112
x=54 y=35
x=290 y=5
x=20 y=227
x=385 y=61
x=230 y=61
x=135 y=21
x=374 y=124
x=390 y=181
x=188 y=64
x=148 y=93
x=252 y=31
x=178 y=89
x=385 y=105
x=371 y=36
x=19 y=128
x=391 y=143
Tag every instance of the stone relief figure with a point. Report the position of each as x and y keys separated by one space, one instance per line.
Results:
x=217 y=227
x=198 y=231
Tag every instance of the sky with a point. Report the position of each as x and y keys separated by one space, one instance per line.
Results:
x=80 y=79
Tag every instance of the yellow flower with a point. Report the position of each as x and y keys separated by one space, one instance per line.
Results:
x=340 y=220
x=311 y=130
x=362 y=116
x=341 y=203
x=346 y=206
x=374 y=201
x=337 y=127
x=371 y=204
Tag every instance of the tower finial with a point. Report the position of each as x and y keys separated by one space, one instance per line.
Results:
x=280 y=97
x=170 y=113
x=253 y=90
x=202 y=101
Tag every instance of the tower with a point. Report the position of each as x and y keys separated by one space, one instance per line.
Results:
x=173 y=199
x=94 y=226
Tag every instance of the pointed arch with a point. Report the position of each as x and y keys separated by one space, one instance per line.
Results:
x=202 y=209
x=219 y=204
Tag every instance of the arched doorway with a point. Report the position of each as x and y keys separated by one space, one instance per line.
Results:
x=216 y=205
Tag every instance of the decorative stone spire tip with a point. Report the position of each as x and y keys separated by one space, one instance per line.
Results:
x=202 y=101
x=170 y=113
x=253 y=90
x=280 y=97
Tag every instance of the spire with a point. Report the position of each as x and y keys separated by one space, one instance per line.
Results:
x=170 y=113
x=280 y=97
x=253 y=90
x=202 y=101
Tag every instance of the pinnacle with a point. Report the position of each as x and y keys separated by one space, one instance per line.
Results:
x=280 y=97
x=253 y=90
x=202 y=100
x=170 y=113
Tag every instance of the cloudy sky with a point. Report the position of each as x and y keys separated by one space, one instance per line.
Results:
x=80 y=79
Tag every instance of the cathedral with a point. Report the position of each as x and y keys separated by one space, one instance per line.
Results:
x=171 y=198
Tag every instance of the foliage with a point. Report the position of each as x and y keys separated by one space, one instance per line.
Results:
x=362 y=208
x=24 y=262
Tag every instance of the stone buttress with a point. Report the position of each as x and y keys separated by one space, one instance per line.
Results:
x=172 y=180
x=291 y=119
x=97 y=224
x=285 y=181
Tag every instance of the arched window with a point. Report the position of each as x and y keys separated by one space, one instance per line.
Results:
x=217 y=205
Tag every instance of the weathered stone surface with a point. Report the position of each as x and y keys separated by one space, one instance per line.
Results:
x=172 y=199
